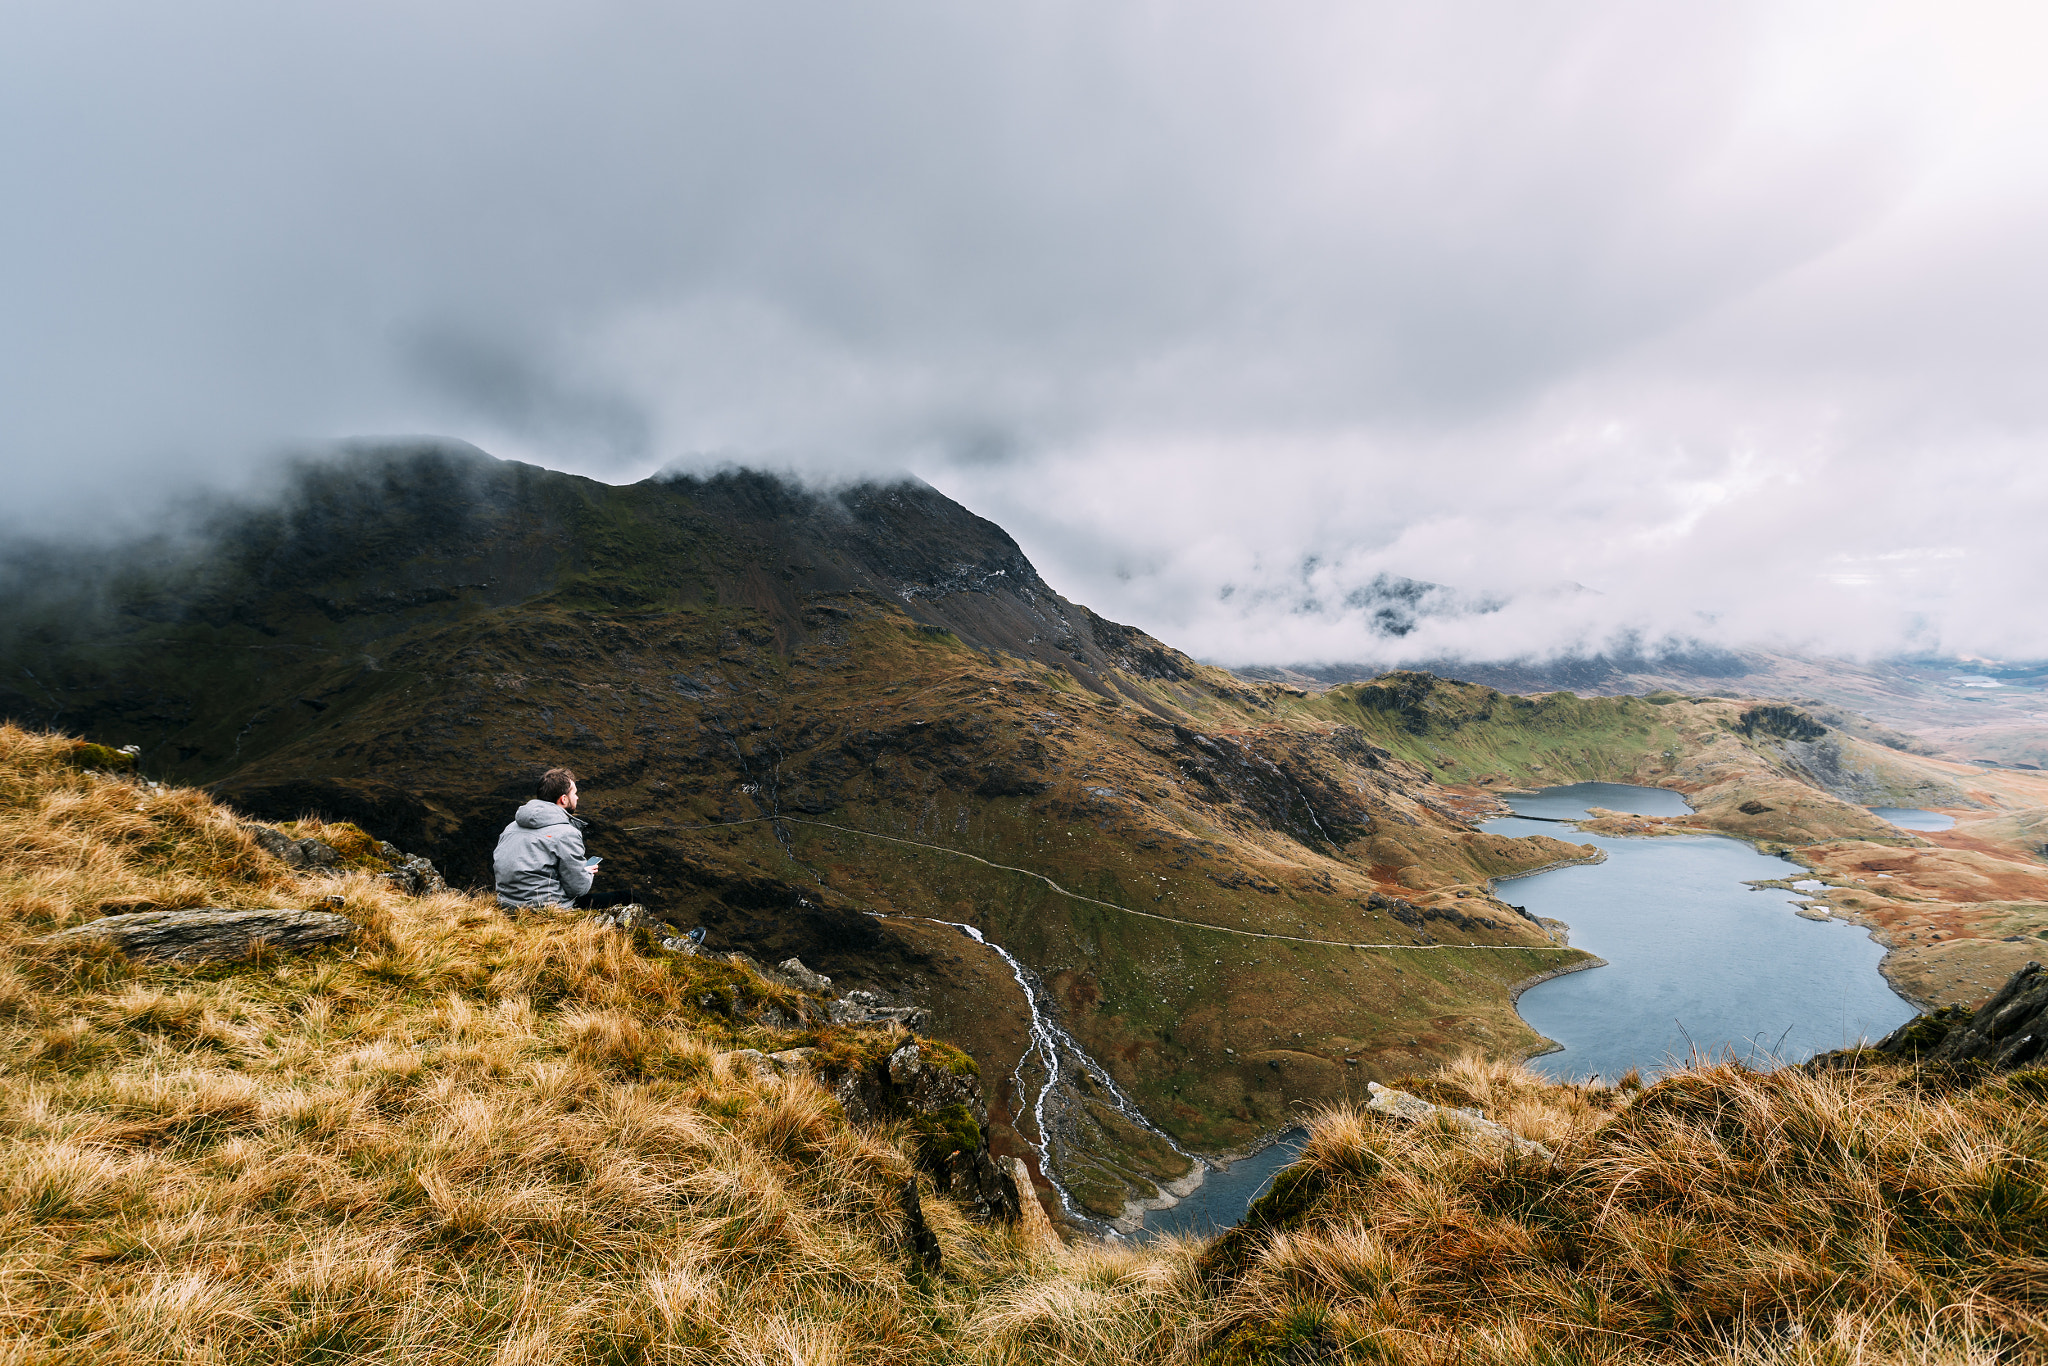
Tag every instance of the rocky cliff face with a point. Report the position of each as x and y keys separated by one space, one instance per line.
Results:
x=2007 y=1032
x=833 y=725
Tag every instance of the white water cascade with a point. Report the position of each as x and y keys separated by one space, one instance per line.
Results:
x=1048 y=1042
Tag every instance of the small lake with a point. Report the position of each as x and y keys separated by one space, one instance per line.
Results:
x=1220 y=1201
x=1913 y=818
x=1576 y=801
x=1695 y=958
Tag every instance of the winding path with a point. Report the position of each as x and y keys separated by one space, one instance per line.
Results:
x=1111 y=905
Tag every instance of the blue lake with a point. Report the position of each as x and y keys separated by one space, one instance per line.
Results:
x=1696 y=960
x=1913 y=818
x=1577 y=800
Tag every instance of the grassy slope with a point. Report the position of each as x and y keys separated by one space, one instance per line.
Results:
x=454 y=1140
x=460 y=1140
x=1845 y=1219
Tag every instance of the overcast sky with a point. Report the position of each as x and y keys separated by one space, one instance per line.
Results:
x=1734 y=314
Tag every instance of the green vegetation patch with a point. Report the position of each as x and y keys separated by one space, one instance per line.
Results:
x=1464 y=731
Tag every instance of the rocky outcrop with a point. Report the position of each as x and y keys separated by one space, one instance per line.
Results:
x=413 y=874
x=866 y=1008
x=305 y=854
x=204 y=935
x=795 y=971
x=2007 y=1032
x=936 y=1091
x=1784 y=723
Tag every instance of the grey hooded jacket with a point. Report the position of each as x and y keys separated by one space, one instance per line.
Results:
x=540 y=858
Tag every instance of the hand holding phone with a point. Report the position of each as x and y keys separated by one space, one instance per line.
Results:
x=592 y=865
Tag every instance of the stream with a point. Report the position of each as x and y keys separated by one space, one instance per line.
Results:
x=1698 y=961
x=1050 y=1044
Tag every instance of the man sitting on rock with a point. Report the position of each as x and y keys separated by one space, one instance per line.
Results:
x=540 y=859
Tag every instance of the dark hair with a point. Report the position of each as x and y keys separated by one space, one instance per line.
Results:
x=555 y=784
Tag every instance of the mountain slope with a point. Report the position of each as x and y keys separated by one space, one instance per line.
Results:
x=835 y=725
x=448 y=1137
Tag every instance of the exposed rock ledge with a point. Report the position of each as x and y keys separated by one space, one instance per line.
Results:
x=2008 y=1031
x=202 y=935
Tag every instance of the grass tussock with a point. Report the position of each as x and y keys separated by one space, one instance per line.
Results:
x=1722 y=1215
x=460 y=1139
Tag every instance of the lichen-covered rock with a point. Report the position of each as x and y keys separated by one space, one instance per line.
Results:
x=866 y=1008
x=795 y=971
x=794 y=1062
x=750 y=1059
x=2007 y=1032
x=202 y=935
x=417 y=876
x=934 y=1088
x=630 y=917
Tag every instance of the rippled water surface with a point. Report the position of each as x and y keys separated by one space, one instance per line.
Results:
x=1696 y=959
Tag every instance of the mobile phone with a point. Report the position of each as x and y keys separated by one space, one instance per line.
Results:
x=593 y=863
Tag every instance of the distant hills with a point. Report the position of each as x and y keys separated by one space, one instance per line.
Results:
x=1977 y=711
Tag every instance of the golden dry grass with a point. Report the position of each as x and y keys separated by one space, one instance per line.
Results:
x=459 y=1139
x=1722 y=1215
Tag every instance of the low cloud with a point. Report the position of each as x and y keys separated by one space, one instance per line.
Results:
x=1617 y=322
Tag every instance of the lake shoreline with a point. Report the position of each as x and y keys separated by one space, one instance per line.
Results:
x=1658 y=922
x=1206 y=1165
x=1550 y=1045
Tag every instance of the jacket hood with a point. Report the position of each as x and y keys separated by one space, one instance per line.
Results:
x=538 y=813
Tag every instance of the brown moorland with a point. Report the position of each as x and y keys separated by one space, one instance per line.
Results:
x=457 y=1139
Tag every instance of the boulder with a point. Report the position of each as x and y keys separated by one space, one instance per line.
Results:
x=795 y=971
x=630 y=917
x=201 y=935
x=417 y=876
